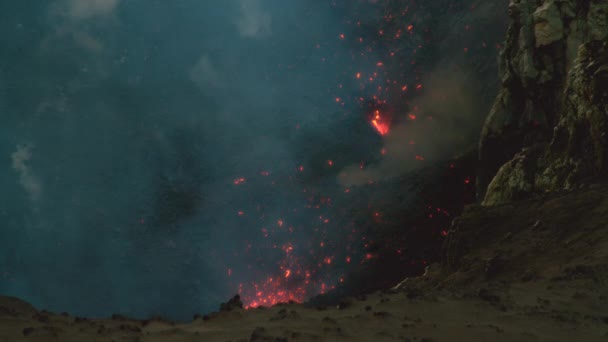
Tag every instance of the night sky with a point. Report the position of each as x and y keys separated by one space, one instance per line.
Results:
x=160 y=156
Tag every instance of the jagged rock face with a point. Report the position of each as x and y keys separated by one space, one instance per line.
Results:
x=547 y=128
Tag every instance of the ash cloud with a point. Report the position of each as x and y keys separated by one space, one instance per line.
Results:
x=30 y=183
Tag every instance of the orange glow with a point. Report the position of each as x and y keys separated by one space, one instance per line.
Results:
x=381 y=127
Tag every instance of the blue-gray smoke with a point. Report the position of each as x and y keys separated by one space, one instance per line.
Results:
x=125 y=123
x=123 y=126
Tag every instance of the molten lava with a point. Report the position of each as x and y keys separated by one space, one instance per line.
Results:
x=377 y=122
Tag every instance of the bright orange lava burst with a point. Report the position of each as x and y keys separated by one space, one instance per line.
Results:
x=381 y=127
x=273 y=290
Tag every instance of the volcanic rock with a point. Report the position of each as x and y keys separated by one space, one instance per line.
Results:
x=547 y=128
x=12 y=306
x=548 y=25
x=261 y=334
x=234 y=303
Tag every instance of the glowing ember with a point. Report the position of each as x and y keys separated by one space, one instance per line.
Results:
x=239 y=181
x=377 y=122
x=272 y=291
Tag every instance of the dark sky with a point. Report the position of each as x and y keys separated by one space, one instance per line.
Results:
x=160 y=156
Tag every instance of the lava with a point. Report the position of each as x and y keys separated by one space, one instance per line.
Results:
x=378 y=123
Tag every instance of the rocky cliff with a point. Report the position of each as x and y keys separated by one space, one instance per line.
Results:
x=547 y=128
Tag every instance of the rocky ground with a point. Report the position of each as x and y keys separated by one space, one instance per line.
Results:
x=534 y=270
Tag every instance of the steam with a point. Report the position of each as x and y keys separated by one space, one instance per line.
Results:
x=254 y=21
x=206 y=75
x=30 y=183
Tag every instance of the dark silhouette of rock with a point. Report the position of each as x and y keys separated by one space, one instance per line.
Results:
x=234 y=303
